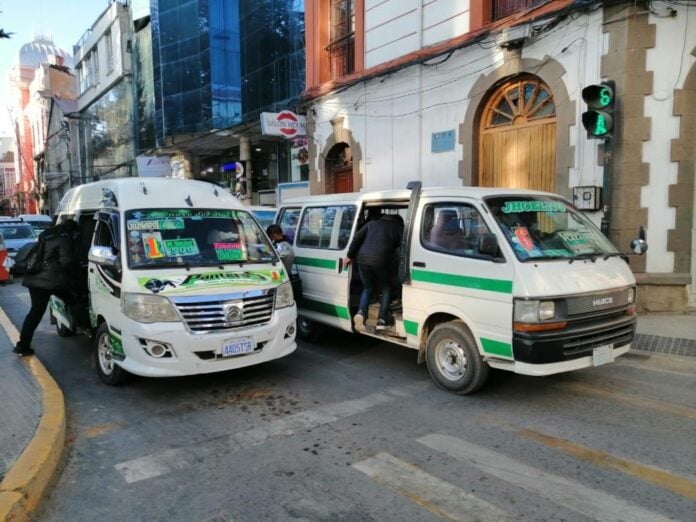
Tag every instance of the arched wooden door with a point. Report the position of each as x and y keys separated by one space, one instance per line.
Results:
x=339 y=166
x=517 y=145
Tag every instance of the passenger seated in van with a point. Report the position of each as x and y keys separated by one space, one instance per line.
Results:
x=446 y=233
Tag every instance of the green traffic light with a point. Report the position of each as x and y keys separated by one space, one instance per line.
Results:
x=600 y=126
x=604 y=97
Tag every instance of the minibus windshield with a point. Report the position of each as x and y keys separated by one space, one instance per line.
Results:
x=539 y=228
x=166 y=238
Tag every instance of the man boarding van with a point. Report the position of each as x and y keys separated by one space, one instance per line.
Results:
x=179 y=279
x=484 y=278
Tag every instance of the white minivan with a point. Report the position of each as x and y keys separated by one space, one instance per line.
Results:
x=484 y=278
x=178 y=279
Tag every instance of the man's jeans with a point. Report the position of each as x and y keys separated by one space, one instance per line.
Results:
x=375 y=278
x=39 y=303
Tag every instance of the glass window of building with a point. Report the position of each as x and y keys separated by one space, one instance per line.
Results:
x=108 y=47
x=341 y=47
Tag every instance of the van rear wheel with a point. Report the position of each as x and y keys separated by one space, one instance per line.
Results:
x=453 y=359
x=109 y=372
x=309 y=330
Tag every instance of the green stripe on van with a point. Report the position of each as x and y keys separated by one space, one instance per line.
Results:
x=411 y=327
x=325 y=308
x=496 y=347
x=316 y=262
x=479 y=283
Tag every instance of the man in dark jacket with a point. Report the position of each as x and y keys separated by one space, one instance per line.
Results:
x=57 y=276
x=374 y=247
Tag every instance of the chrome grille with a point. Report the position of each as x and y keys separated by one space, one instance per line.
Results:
x=227 y=312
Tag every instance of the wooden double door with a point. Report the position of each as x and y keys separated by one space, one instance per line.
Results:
x=517 y=140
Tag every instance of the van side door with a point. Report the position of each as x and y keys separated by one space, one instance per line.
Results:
x=105 y=283
x=449 y=275
x=321 y=243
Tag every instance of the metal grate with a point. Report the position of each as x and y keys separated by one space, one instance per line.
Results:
x=503 y=8
x=616 y=335
x=228 y=312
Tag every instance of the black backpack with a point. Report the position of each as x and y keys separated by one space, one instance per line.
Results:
x=29 y=259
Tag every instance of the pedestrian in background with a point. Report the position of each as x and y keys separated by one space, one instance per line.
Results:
x=57 y=276
x=374 y=248
x=282 y=246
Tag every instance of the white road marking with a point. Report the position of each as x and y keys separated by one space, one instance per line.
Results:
x=437 y=496
x=570 y=494
x=160 y=463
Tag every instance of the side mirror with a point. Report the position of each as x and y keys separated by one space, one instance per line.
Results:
x=639 y=246
x=488 y=245
x=104 y=256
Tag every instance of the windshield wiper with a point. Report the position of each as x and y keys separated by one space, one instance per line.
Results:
x=186 y=265
x=591 y=256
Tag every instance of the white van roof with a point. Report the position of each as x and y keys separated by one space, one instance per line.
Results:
x=137 y=193
x=404 y=194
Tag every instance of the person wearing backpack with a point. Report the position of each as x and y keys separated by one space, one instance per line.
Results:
x=54 y=276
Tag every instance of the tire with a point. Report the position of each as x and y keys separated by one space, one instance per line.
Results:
x=453 y=359
x=309 y=330
x=108 y=371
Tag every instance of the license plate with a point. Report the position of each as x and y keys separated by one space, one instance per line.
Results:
x=603 y=355
x=232 y=347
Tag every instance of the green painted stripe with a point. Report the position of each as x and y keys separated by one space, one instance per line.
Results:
x=479 y=283
x=496 y=347
x=325 y=308
x=316 y=262
x=411 y=327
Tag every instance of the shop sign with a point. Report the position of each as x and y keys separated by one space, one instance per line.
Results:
x=442 y=141
x=285 y=123
x=154 y=166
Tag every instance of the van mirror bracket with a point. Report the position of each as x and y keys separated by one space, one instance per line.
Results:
x=104 y=256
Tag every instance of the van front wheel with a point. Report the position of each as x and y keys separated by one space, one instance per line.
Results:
x=308 y=329
x=453 y=359
x=109 y=372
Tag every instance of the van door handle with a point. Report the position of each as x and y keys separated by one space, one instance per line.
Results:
x=91 y=270
x=419 y=264
x=340 y=265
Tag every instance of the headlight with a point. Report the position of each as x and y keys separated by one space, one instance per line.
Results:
x=146 y=308
x=534 y=311
x=631 y=295
x=284 y=297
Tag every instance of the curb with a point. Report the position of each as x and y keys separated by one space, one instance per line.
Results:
x=26 y=482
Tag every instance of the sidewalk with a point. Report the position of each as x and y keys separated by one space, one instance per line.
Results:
x=32 y=432
x=670 y=334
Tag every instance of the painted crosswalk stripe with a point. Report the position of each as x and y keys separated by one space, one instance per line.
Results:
x=163 y=462
x=437 y=496
x=570 y=494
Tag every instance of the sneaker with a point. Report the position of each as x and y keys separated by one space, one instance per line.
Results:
x=359 y=322
x=381 y=324
x=22 y=352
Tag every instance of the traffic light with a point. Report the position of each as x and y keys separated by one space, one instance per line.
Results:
x=598 y=120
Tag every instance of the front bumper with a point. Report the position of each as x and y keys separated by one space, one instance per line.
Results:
x=195 y=354
x=576 y=341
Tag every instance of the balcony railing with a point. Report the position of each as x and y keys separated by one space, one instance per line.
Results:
x=503 y=8
x=342 y=56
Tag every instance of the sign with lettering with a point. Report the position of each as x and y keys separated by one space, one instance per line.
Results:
x=285 y=123
x=442 y=141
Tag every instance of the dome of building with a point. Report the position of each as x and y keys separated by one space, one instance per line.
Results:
x=39 y=51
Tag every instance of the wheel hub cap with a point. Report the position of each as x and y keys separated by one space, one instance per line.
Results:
x=106 y=360
x=451 y=360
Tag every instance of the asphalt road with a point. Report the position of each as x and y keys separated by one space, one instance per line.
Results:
x=349 y=429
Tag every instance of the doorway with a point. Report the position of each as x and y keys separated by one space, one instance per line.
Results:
x=339 y=168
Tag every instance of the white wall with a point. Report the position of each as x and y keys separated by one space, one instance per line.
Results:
x=671 y=61
x=393 y=117
x=397 y=27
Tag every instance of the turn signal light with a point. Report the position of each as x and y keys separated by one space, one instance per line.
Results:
x=538 y=327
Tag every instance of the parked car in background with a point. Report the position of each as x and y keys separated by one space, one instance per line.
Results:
x=264 y=215
x=39 y=222
x=16 y=233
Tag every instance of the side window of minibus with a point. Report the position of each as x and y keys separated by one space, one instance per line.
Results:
x=326 y=227
x=104 y=237
x=452 y=228
x=288 y=221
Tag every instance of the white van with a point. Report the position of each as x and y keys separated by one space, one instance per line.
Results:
x=485 y=278
x=179 y=280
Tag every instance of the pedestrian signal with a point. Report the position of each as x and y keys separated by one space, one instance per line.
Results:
x=598 y=120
